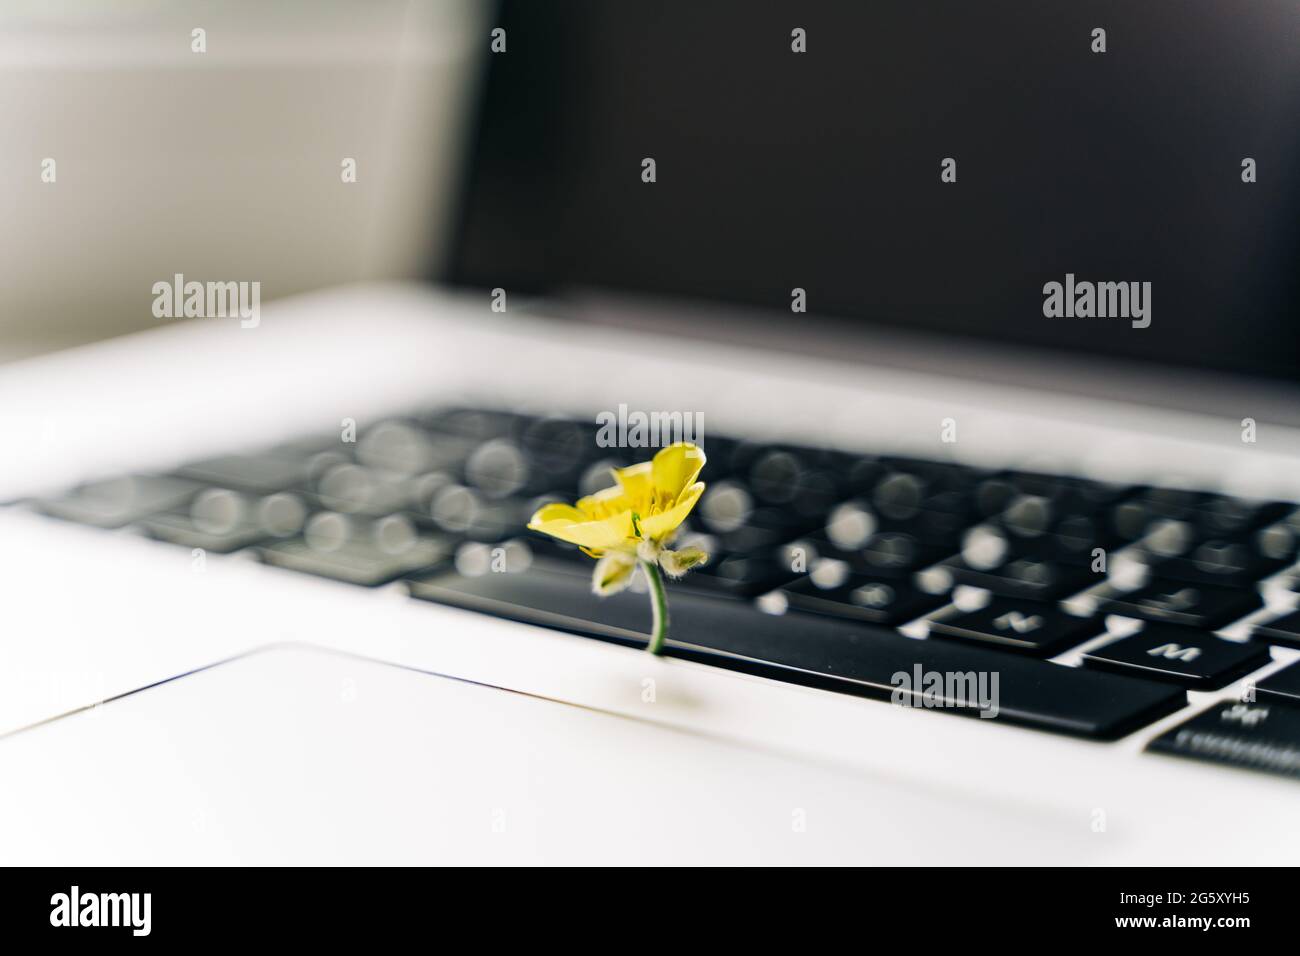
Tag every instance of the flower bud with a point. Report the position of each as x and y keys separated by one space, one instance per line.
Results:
x=677 y=563
x=612 y=573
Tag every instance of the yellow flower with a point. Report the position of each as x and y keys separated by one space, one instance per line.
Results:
x=627 y=526
x=647 y=504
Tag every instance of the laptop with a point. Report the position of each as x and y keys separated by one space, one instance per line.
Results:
x=984 y=318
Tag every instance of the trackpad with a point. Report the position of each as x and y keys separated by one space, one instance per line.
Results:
x=303 y=756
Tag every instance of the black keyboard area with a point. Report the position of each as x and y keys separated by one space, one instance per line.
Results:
x=817 y=558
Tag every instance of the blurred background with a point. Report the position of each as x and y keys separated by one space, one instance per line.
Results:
x=776 y=171
x=224 y=164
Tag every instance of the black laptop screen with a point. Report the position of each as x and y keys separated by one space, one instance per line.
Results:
x=1152 y=172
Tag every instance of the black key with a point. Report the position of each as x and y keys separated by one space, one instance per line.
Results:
x=1280 y=687
x=1029 y=516
x=557 y=550
x=862 y=598
x=116 y=502
x=1079 y=495
x=739 y=575
x=356 y=489
x=887 y=553
x=1222 y=516
x=1284 y=631
x=1280 y=541
x=499 y=469
x=729 y=511
x=1181 y=656
x=475 y=424
x=731 y=457
x=461 y=511
x=1039 y=629
x=934 y=477
x=1192 y=605
x=776 y=476
x=178 y=529
x=1062 y=523
x=751 y=539
x=940 y=527
x=817 y=492
x=900 y=505
x=744 y=575
x=560 y=449
x=359 y=552
x=221 y=520
x=1172 y=502
x=1259 y=736
x=900 y=495
x=993 y=494
x=262 y=474
x=861 y=473
x=1024 y=577
x=726 y=506
x=1237 y=564
x=1076 y=537
x=1168 y=538
x=1135 y=516
x=895 y=552
x=404 y=448
x=474 y=558
x=1182 y=550
x=861 y=659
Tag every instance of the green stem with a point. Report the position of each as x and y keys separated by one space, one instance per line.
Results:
x=658 y=604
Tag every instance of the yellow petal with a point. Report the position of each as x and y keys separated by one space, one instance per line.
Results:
x=675 y=468
x=635 y=481
x=657 y=526
x=605 y=503
x=572 y=526
x=555 y=511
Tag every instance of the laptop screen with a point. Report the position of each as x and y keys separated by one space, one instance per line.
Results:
x=1113 y=177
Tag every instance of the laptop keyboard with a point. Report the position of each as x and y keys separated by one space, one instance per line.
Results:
x=818 y=557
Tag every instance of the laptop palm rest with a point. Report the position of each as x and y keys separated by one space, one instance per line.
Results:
x=300 y=755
